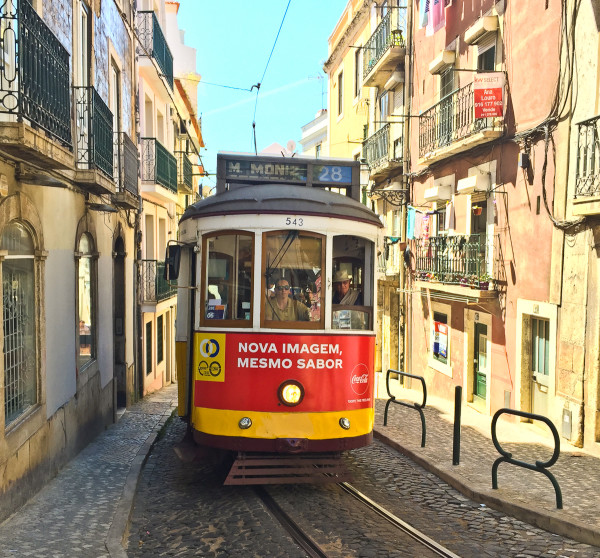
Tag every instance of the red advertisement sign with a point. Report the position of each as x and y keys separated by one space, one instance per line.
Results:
x=244 y=370
x=487 y=90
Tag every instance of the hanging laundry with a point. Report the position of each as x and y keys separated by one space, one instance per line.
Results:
x=449 y=216
x=437 y=17
x=410 y=223
x=423 y=13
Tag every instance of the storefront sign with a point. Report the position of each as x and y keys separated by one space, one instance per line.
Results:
x=487 y=90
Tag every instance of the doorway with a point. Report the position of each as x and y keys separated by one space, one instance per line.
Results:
x=540 y=369
x=480 y=364
x=120 y=363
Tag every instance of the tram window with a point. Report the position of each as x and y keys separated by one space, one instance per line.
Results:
x=227 y=279
x=352 y=277
x=293 y=262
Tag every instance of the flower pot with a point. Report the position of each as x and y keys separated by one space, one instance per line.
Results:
x=477 y=210
x=484 y=285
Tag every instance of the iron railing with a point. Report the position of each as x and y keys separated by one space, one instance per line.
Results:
x=457 y=259
x=452 y=119
x=379 y=150
x=184 y=170
x=158 y=165
x=155 y=287
x=126 y=164
x=390 y=32
x=94 y=131
x=34 y=72
x=587 y=179
x=153 y=42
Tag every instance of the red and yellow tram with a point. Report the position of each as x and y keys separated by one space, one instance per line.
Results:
x=276 y=307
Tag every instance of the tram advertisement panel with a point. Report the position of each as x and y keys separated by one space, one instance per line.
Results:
x=244 y=370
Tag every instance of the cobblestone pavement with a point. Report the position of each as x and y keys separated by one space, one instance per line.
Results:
x=524 y=494
x=182 y=510
x=72 y=515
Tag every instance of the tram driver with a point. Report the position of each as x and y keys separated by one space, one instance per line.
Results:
x=342 y=293
x=284 y=308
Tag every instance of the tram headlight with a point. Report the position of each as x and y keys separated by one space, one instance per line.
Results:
x=291 y=393
x=345 y=423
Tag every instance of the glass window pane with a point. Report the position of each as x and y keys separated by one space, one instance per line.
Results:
x=20 y=376
x=352 y=299
x=17 y=240
x=440 y=337
x=228 y=277
x=293 y=265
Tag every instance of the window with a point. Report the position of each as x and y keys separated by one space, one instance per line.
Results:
x=384 y=109
x=340 y=86
x=86 y=289
x=440 y=337
x=352 y=298
x=445 y=131
x=159 y=340
x=486 y=60
x=293 y=295
x=227 y=279
x=540 y=346
x=318 y=150
x=358 y=70
x=148 y=348
x=85 y=45
x=19 y=319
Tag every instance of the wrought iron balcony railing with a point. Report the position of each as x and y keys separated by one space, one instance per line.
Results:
x=379 y=150
x=154 y=43
x=34 y=72
x=184 y=170
x=391 y=31
x=587 y=179
x=155 y=287
x=94 y=131
x=457 y=259
x=126 y=164
x=158 y=165
x=452 y=119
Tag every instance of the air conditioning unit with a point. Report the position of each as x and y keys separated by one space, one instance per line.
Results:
x=439 y=193
x=475 y=183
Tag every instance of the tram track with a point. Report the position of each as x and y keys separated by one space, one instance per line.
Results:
x=314 y=550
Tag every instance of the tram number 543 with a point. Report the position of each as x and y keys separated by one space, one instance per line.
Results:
x=299 y=222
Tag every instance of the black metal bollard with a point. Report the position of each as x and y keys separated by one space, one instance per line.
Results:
x=456 y=437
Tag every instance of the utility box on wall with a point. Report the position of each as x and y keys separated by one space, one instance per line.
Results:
x=566 y=424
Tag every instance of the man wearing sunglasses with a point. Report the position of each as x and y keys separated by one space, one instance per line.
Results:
x=283 y=308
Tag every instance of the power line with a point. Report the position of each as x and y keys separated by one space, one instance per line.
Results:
x=265 y=73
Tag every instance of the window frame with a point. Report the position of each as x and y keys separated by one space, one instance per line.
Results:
x=224 y=323
x=160 y=339
x=277 y=324
x=340 y=93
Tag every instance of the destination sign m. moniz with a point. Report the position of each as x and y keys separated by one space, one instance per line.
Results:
x=236 y=170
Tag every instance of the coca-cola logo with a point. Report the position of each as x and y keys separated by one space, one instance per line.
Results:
x=359 y=379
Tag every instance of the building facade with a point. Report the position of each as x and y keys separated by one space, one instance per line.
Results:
x=99 y=140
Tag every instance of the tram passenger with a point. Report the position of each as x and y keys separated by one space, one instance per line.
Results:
x=342 y=293
x=282 y=307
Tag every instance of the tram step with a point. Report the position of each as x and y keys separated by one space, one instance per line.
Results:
x=287 y=469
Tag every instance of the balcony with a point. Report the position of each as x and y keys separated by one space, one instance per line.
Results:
x=185 y=173
x=155 y=288
x=35 y=97
x=94 y=141
x=450 y=127
x=154 y=44
x=454 y=263
x=159 y=168
x=126 y=168
x=587 y=178
x=383 y=154
x=385 y=49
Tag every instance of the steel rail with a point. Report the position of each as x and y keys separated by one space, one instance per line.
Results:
x=397 y=522
x=311 y=548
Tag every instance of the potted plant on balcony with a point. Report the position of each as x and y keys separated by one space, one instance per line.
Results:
x=477 y=209
x=484 y=281
x=464 y=281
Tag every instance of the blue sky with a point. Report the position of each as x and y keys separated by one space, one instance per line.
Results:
x=233 y=41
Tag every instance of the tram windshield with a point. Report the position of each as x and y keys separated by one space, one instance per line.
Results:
x=227 y=278
x=293 y=294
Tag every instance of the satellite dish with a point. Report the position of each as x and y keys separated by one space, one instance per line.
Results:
x=291 y=146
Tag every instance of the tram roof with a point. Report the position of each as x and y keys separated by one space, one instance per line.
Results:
x=281 y=199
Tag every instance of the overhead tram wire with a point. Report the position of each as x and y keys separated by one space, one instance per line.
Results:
x=264 y=74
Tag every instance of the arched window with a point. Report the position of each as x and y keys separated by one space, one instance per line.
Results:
x=86 y=290
x=18 y=291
